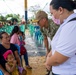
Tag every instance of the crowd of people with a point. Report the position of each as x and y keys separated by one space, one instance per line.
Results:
x=60 y=56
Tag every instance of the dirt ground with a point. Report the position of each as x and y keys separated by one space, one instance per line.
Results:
x=37 y=64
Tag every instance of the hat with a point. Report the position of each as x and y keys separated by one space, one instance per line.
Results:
x=7 y=53
x=41 y=14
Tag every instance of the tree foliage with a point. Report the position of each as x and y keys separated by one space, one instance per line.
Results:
x=4 y=18
x=34 y=9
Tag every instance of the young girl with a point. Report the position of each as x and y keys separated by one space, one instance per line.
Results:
x=22 y=43
x=11 y=64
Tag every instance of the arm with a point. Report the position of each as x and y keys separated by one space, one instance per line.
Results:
x=14 y=39
x=55 y=59
x=46 y=44
x=9 y=68
x=49 y=54
x=65 y=47
x=18 y=41
x=17 y=58
x=45 y=39
x=4 y=71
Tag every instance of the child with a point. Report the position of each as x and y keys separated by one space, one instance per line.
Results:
x=22 y=43
x=11 y=64
x=23 y=50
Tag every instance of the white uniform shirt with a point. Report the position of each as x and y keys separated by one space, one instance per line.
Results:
x=64 y=42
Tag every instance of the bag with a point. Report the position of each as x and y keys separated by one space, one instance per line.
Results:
x=72 y=19
x=22 y=50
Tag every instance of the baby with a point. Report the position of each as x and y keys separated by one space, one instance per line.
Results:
x=11 y=65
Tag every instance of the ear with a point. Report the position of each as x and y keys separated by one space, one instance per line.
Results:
x=61 y=10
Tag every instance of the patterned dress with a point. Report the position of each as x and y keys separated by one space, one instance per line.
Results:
x=15 y=72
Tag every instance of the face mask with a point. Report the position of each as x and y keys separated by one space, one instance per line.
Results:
x=56 y=21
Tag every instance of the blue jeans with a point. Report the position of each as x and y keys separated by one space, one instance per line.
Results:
x=1 y=73
x=18 y=47
x=25 y=58
x=25 y=55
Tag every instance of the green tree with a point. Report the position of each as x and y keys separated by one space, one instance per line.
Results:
x=34 y=9
x=13 y=16
x=9 y=15
x=2 y=18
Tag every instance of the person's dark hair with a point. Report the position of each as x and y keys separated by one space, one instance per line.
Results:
x=15 y=30
x=70 y=5
x=1 y=33
x=21 y=32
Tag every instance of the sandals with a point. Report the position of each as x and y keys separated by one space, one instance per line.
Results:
x=28 y=67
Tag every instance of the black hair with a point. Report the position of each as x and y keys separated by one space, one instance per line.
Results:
x=1 y=33
x=21 y=32
x=15 y=30
x=70 y=5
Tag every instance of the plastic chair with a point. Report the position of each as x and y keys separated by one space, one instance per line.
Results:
x=22 y=28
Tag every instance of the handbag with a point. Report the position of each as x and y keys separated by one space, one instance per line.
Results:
x=22 y=50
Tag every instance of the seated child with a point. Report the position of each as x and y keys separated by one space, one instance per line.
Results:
x=23 y=50
x=11 y=64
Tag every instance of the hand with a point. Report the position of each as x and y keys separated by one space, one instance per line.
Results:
x=14 y=62
x=6 y=73
x=48 y=67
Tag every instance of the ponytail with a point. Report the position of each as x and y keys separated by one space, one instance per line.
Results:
x=74 y=4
